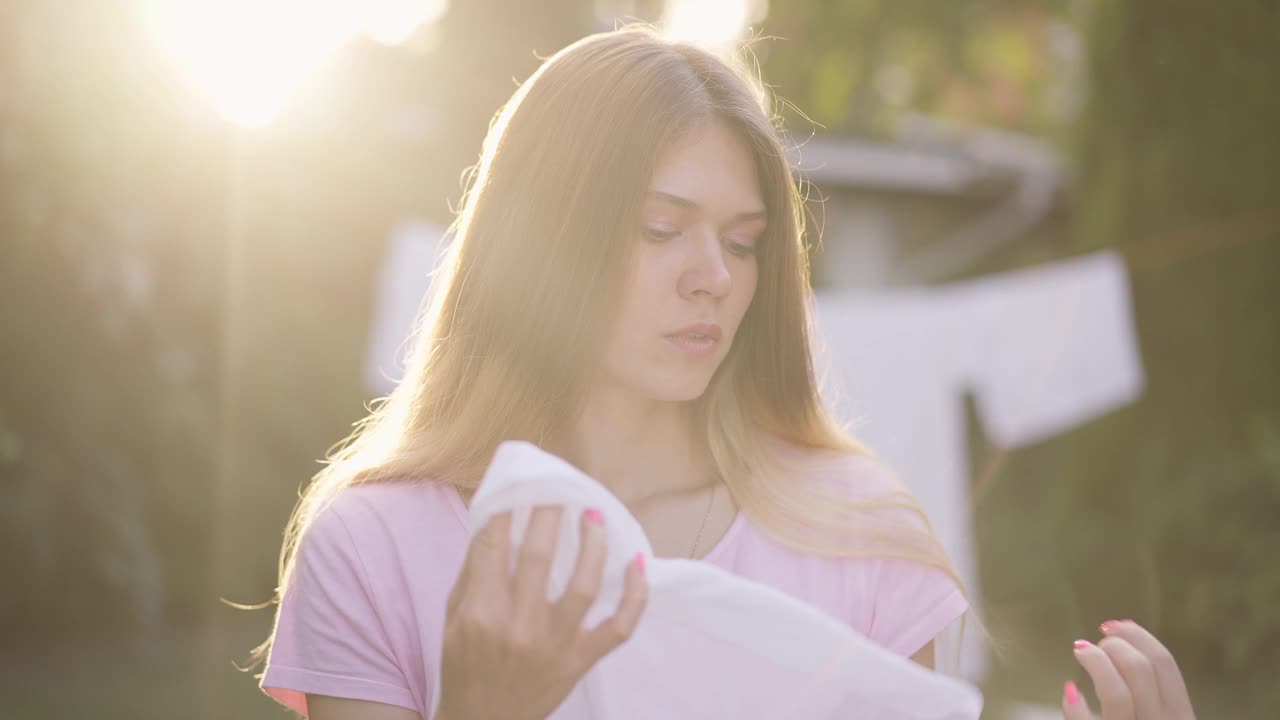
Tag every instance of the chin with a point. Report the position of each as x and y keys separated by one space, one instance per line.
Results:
x=678 y=389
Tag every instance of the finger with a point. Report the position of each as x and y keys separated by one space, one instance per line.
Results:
x=457 y=592
x=486 y=566
x=588 y=575
x=537 y=549
x=1138 y=675
x=1074 y=706
x=1113 y=693
x=614 y=631
x=1169 y=680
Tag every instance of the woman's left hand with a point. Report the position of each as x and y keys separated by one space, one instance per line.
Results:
x=1135 y=676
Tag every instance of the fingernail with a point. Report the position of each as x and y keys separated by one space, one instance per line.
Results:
x=595 y=516
x=1081 y=644
x=1107 y=626
x=640 y=562
x=1070 y=692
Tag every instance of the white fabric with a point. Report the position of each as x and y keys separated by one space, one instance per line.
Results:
x=1042 y=350
x=404 y=278
x=710 y=644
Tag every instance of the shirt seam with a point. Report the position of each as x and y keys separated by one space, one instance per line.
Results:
x=379 y=611
x=320 y=673
x=939 y=609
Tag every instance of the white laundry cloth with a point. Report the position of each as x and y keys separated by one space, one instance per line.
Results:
x=1042 y=350
x=404 y=279
x=710 y=644
x=1049 y=347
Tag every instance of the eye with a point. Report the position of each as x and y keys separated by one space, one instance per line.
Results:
x=742 y=249
x=659 y=235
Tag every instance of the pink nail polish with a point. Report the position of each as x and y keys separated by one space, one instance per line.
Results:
x=1081 y=644
x=1107 y=626
x=595 y=516
x=640 y=562
x=1070 y=692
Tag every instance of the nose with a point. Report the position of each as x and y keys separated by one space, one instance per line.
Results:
x=706 y=270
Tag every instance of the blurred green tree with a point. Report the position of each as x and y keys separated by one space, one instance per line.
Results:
x=855 y=66
x=1183 y=159
x=1167 y=511
x=185 y=304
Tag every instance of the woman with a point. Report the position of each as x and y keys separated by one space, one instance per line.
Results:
x=626 y=288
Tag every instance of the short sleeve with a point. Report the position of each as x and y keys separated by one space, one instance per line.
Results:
x=330 y=637
x=914 y=602
x=898 y=603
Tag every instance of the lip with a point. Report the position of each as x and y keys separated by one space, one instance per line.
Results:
x=711 y=330
x=700 y=347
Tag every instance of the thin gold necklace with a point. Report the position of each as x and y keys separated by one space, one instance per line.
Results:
x=710 y=501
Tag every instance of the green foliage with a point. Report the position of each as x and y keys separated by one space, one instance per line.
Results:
x=185 y=306
x=1167 y=511
x=155 y=416
x=855 y=66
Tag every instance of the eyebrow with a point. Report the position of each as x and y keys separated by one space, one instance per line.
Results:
x=687 y=203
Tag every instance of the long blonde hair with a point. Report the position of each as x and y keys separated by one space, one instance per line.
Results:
x=543 y=237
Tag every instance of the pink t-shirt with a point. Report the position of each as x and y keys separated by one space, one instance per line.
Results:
x=364 y=611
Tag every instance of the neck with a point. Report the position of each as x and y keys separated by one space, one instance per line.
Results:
x=638 y=447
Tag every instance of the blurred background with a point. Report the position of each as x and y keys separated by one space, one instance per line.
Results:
x=205 y=208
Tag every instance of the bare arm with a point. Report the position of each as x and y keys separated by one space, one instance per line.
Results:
x=323 y=707
x=925 y=656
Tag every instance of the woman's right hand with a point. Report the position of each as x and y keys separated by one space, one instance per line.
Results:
x=510 y=653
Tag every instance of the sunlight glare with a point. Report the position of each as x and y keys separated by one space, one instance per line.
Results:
x=251 y=56
x=392 y=22
x=711 y=23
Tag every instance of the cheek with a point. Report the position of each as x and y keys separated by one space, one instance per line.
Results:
x=645 y=289
x=744 y=287
x=635 y=311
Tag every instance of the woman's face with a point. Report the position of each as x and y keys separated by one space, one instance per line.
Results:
x=695 y=267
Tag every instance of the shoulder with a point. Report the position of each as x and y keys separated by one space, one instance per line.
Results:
x=372 y=571
x=376 y=526
x=370 y=507
x=893 y=584
x=393 y=549
x=872 y=506
x=904 y=594
x=860 y=485
x=821 y=554
x=852 y=470
x=857 y=474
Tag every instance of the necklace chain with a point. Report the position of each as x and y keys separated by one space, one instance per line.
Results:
x=710 y=501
